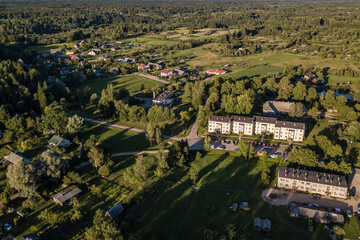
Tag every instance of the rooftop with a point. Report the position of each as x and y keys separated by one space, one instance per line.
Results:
x=265 y=119
x=115 y=211
x=313 y=176
x=319 y=215
x=242 y=119
x=220 y=119
x=66 y=194
x=286 y=124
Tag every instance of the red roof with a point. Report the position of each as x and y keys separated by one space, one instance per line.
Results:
x=165 y=71
x=142 y=65
x=216 y=71
x=73 y=57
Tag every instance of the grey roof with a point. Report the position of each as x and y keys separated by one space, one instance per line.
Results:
x=164 y=95
x=220 y=119
x=286 y=124
x=55 y=140
x=13 y=158
x=115 y=211
x=29 y=237
x=265 y=119
x=257 y=223
x=266 y=224
x=276 y=107
x=319 y=215
x=313 y=176
x=65 y=195
x=243 y=119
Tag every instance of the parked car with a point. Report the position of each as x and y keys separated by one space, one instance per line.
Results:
x=358 y=211
x=315 y=196
x=234 y=207
x=338 y=210
x=7 y=227
x=314 y=205
x=349 y=213
x=221 y=148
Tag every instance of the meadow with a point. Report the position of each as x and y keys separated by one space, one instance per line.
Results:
x=132 y=83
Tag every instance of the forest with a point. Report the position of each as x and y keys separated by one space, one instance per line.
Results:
x=89 y=72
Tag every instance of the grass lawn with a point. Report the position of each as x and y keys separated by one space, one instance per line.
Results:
x=184 y=213
x=352 y=228
x=256 y=71
x=333 y=79
x=46 y=48
x=116 y=140
x=129 y=82
x=152 y=41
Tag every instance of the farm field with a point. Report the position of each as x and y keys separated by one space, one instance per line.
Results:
x=130 y=82
x=227 y=180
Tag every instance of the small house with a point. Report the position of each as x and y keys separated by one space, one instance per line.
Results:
x=104 y=57
x=215 y=72
x=114 y=70
x=309 y=75
x=95 y=65
x=13 y=158
x=266 y=225
x=257 y=224
x=71 y=52
x=74 y=57
x=114 y=212
x=143 y=67
x=57 y=141
x=166 y=73
x=318 y=81
x=164 y=99
x=29 y=237
x=65 y=195
x=65 y=71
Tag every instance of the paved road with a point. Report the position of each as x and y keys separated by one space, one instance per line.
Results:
x=152 y=77
x=135 y=153
x=195 y=142
x=285 y=197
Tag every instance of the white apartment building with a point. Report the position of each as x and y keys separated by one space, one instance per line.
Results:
x=326 y=184
x=289 y=131
x=264 y=125
x=243 y=125
x=219 y=124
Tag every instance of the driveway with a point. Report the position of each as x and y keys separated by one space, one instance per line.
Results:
x=279 y=197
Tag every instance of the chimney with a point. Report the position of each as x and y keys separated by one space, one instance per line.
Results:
x=331 y=179
x=306 y=174
x=318 y=177
x=153 y=94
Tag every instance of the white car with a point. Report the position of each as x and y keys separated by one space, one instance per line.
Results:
x=349 y=213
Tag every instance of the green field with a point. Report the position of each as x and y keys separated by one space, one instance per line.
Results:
x=256 y=71
x=184 y=212
x=130 y=82
x=46 y=48
x=116 y=140
x=148 y=40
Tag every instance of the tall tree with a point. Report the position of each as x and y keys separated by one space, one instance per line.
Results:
x=23 y=178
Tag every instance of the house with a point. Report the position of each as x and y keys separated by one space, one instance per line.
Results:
x=13 y=158
x=77 y=46
x=84 y=63
x=74 y=57
x=65 y=71
x=104 y=57
x=331 y=185
x=65 y=195
x=179 y=72
x=219 y=124
x=71 y=52
x=114 y=212
x=143 y=67
x=257 y=224
x=318 y=215
x=275 y=108
x=309 y=75
x=266 y=225
x=243 y=125
x=94 y=52
x=215 y=72
x=318 y=81
x=114 y=70
x=164 y=99
x=127 y=60
x=29 y=237
x=166 y=73
x=57 y=141
x=156 y=65
x=95 y=65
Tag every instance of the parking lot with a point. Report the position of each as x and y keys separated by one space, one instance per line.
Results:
x=271 y=150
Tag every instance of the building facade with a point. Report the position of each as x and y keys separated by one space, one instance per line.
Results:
x=289 y=131
x=219 y=124
x=330 y=185
x=282 y=130
x=242 y=125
